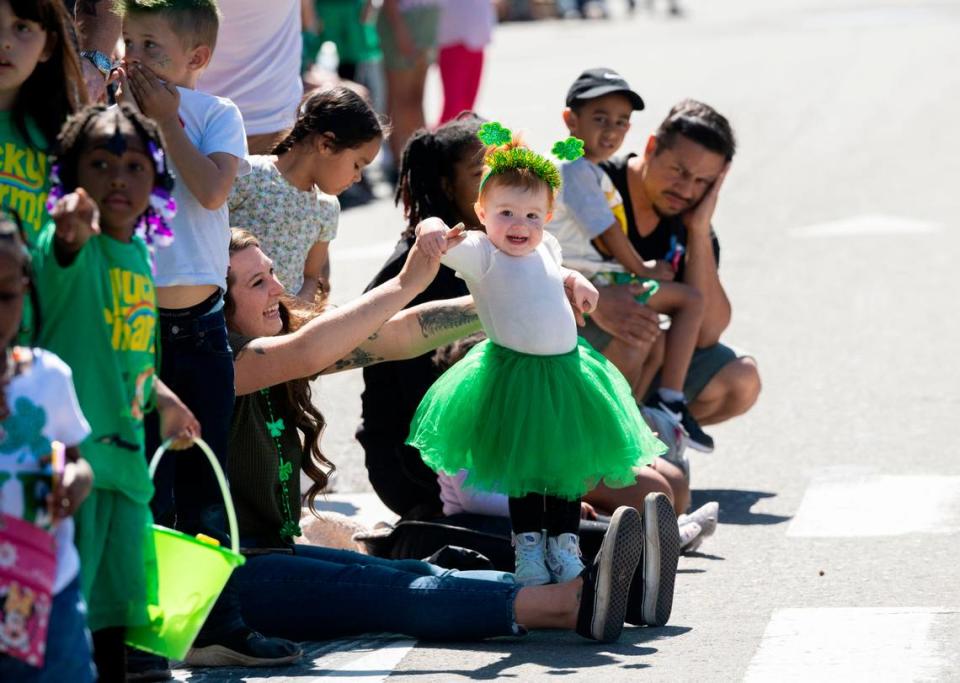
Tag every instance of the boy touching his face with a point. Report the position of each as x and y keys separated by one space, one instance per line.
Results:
x=168 y=44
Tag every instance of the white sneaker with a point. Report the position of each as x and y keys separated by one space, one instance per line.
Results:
x=706 y=516
x=690 y=533
x=530 y=563
x=563 y=557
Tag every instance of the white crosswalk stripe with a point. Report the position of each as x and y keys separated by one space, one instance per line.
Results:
x=851 y=504
x=850 y=644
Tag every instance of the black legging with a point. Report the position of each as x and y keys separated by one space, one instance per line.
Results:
x=536 y=511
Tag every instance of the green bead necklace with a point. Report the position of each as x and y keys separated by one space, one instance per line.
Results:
x=290 y=528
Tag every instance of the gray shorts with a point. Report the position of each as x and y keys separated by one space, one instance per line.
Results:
x=704 y=365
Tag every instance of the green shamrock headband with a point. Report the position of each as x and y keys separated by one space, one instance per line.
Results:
x=499 y=161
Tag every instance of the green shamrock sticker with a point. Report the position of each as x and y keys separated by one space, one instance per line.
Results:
x=569 y=149
x=286 y=469
x=492 y=133
x=24 y=429
x=276 y=427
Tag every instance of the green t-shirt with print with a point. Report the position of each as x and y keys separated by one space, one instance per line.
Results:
x=24 y=175
x=100 y=317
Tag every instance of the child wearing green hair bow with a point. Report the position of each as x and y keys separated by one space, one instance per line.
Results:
x=534 y=411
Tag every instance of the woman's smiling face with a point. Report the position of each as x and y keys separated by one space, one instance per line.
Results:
x=255 y=294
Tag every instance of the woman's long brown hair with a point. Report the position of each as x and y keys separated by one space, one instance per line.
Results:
x=294 y=313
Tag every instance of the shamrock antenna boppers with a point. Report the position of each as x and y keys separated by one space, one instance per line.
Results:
x=508 y=154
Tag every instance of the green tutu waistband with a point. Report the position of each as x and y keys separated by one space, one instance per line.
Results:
x=521 y=423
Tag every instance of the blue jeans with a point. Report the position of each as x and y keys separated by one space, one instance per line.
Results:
x=196 y=363
x=68 y=655
x=317 y=593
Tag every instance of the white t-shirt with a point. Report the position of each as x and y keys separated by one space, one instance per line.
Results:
x=199 y=254
x=43 y=408
x=520 y=299
x=467 y=22
x=257 y=62
x=588 y=204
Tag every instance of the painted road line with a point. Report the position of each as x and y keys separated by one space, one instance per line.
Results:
x=867 y=226
x=370 y=659
x=857 y=505
x=375 y=666
x=850 y=644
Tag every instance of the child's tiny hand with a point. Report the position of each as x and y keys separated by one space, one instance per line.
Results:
x=583 y=295
x=74 y=486
x=76 y=218
x=432 y=237
x=455 y=236
x=176 y=421
x=157 y=99
x=587 y=511
x=659 y=270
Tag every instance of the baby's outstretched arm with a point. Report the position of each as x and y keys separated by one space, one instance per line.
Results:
x=582 y=294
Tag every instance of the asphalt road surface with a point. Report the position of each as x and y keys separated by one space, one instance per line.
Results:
x=839 y=540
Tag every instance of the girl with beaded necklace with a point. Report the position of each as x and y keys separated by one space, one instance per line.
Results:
x=534 y=412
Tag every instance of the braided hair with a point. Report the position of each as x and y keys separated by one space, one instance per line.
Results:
x=427 y=160
x=73 y=138
x=339 y=112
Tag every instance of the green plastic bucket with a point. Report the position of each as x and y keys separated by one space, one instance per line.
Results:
x=190 y=576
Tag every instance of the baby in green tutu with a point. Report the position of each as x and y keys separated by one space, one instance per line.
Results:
x=534 y=412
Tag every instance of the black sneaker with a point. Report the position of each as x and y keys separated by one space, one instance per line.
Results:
x=143 y=667
x=651 y=591
x=680 y=413
x=244 y=648
x=606 y=582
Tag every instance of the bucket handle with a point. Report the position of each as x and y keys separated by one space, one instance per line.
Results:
x=221 y=480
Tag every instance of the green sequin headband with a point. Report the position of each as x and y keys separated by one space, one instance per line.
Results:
x=499 y=161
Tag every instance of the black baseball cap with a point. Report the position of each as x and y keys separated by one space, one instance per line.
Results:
x=594 y=83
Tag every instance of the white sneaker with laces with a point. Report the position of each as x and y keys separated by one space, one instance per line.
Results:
x=530 y=563
x=563 y=557
x=706 y=516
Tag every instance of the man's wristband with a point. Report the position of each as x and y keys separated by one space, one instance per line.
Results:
x=98 y=59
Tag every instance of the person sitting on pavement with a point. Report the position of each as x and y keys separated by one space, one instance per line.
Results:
x=277 y=351
x=591 y=227
x=669 y=197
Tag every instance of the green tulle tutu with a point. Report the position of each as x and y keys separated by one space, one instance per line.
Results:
x=520 y=423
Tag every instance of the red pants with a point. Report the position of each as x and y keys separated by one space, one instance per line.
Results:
x=460 y=69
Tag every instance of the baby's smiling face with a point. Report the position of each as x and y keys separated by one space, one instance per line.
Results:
x=514 y=217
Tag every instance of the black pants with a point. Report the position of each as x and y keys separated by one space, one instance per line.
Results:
x=536 y=511
x=401 y=480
